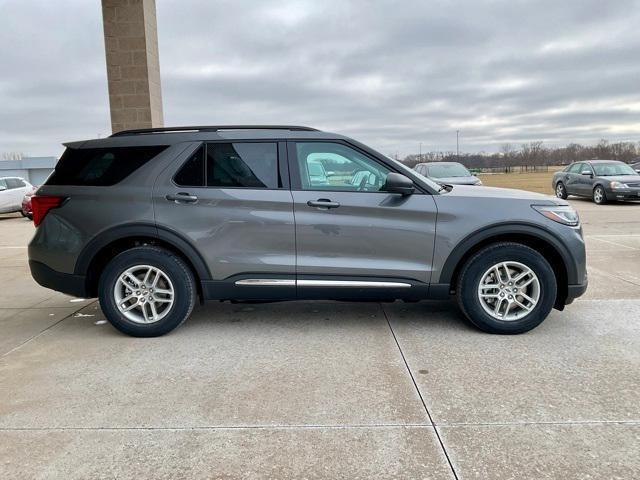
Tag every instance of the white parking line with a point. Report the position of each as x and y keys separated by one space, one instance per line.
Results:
x=613 y=235
x=615 y=243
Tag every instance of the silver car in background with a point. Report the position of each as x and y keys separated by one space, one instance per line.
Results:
x=449 y=173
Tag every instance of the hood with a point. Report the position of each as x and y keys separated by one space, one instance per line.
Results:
x=622 y=178
x=470 y=180
x=494 y=192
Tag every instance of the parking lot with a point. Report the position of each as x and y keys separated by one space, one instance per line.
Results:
x=325 y=389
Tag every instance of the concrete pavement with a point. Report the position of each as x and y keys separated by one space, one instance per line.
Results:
x=323 y=389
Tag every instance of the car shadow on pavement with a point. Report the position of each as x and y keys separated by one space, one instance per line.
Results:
x=303 y=315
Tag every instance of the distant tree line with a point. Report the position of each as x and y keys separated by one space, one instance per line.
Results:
x=534 y=155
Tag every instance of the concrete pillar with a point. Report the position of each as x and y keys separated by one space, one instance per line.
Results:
x=133 y=66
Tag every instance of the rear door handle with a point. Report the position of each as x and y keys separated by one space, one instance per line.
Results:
x=182 y=197
x=323 y=203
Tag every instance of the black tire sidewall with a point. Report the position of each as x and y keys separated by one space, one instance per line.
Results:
x=481 y=262
x=172 y=266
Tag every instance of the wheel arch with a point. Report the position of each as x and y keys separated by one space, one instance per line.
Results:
x=97 y=253
x=530 y=235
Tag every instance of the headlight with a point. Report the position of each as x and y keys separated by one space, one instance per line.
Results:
x=559 y=213
x=478 y=182
x=618 y=185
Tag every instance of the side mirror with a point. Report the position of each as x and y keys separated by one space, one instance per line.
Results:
x=397 y=183
x=2 y=188
x=638 y=170
x=587 y=173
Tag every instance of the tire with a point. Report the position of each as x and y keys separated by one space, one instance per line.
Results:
x=599 y=195
x=561 y=191
x=22 y=213
x=30 y=216
x=174 y=276
x=517 y=256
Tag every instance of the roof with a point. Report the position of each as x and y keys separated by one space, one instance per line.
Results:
x=599 y=161
x=439 y=163
x=172 y=135
x=212 y=128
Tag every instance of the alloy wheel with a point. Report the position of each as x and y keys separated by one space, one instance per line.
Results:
x=509 y=291
x=143 y=294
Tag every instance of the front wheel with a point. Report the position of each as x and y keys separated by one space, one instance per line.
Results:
x=506 y=288
x=599 y=195
x=147 y=291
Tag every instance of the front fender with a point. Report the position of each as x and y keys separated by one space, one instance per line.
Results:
x=504 y=230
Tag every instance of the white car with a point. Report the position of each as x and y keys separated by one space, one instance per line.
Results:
x=12 y=191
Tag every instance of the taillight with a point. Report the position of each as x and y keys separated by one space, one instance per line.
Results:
x=41 y=204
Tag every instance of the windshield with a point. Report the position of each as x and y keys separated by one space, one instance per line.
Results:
x=448 y=170
x=612 y=169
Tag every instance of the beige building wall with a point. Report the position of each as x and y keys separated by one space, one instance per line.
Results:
x=133 y=65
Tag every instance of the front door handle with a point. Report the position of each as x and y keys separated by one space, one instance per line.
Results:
x=182 y=197
x=323 y=203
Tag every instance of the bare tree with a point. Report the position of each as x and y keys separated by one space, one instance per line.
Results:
x=508 y=154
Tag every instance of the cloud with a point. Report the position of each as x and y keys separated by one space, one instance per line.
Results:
x=391 y=74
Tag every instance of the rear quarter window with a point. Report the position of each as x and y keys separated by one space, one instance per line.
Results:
x=100 y=166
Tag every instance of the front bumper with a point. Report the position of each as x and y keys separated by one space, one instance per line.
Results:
x=74 y=285
x=575 y=291
x=623 y=194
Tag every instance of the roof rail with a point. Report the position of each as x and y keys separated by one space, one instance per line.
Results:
x=212 y=128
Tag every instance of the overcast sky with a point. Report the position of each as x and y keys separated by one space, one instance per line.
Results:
x=391 y=74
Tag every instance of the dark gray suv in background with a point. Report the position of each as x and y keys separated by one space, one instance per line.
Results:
x=151 y=220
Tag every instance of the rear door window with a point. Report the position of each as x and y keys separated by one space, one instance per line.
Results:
x=100 y=166
x=231 y=165
x=243 y=165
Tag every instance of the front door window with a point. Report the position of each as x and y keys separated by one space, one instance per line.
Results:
x=336 y=167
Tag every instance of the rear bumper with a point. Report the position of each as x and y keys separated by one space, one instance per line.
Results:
x=70 y=284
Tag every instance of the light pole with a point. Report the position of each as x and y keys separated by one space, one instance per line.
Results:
x=420 y=157
x=458 y=145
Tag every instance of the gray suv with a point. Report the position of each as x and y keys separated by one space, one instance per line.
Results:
x=150 y=221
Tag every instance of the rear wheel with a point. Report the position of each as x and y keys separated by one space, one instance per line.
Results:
x=506 y=288
x=147 y=291
x=599 y=195
x=561 y=191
